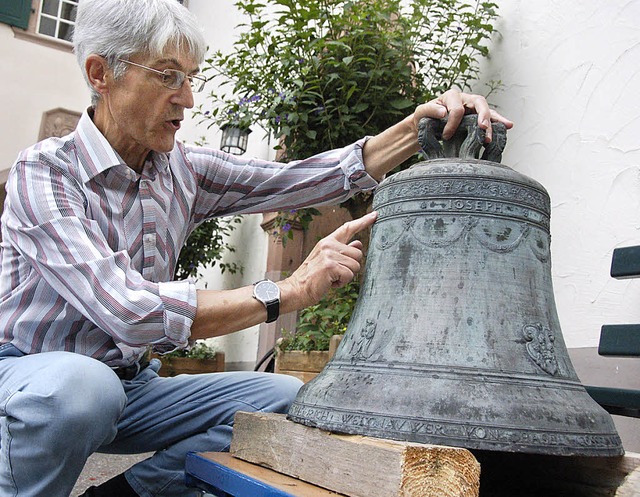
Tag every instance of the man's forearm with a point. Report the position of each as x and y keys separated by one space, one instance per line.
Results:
x=333 y=262
x=390 y=148
x=221 y=312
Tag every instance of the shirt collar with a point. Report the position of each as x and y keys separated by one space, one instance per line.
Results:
x=95 y=153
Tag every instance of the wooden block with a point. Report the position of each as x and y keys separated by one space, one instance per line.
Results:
x=354 y=465
x=229 y=474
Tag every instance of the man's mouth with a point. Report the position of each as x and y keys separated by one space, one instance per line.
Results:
x=175 y=123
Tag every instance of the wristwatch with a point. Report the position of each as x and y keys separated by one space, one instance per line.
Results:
x=267 y=292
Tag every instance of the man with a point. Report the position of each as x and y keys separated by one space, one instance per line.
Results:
x=91 y=232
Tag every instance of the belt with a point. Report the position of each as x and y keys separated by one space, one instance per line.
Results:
x=131 y=371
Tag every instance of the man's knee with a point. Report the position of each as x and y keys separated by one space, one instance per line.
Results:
x=284 y=389
x=72 y=395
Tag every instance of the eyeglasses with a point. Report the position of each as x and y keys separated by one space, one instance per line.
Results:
x=174 y=79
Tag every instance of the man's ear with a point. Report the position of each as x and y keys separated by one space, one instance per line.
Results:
x=98 y=73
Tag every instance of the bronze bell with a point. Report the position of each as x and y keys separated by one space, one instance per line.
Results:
x=455 y=338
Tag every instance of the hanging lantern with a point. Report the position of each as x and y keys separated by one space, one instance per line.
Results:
x=234 y=139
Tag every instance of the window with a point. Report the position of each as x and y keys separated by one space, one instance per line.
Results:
x=56 y=18
x=48 y=22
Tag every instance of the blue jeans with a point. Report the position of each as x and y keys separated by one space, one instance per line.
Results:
x=57 y=408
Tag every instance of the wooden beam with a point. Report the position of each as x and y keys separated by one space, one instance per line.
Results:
x=353 y=465
x=359 y=466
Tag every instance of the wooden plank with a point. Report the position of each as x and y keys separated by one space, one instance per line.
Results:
x=354 y=465
x=631 y=485
x=620 y=340
x=625 y=262
x=221 y=471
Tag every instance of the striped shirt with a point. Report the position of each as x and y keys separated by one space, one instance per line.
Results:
x=89 y=246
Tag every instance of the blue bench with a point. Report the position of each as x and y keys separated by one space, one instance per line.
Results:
x=223 y=475
x=620 y=340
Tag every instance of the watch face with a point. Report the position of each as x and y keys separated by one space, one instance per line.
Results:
x=267 y=291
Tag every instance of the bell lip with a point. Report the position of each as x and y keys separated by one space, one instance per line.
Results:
x=583 y=429
x=566 y=451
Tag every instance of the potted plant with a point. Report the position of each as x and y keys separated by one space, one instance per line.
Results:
x=319 y=330
x=317 y=75
x=206 y=246
x=200 y=358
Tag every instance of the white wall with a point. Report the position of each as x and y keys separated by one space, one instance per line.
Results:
x=571 y=72
x=219 y=20
x=33 y=79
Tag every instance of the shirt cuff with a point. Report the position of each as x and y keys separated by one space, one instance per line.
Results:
x=356 y=177
x=178 y=314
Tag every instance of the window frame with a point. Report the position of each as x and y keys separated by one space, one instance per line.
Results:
x=31 y=33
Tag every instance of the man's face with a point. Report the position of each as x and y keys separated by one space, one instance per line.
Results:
x=139 y=114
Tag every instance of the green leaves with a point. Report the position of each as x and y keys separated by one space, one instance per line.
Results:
x=350 y=68
x=318 y=323
x=207 y=246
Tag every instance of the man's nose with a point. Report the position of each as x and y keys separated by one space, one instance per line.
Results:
x=184 y=95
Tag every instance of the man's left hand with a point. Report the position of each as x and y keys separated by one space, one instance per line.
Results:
x=456 y=104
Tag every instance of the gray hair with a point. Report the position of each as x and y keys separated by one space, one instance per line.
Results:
x=118 y=29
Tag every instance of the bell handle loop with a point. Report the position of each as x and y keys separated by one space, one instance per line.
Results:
x=466 y=143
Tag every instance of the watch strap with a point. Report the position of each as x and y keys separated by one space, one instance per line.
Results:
x=273 y=310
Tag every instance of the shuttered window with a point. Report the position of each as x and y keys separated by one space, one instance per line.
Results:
x=15 y=12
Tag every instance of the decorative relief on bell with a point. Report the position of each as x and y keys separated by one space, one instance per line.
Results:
x=360 y=347
x=440 y=232
x=540 y=346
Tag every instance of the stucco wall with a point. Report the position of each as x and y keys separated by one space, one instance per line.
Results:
x=571 y=81
x=33 y=79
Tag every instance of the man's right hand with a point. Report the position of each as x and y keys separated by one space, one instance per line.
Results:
x=332 y=263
